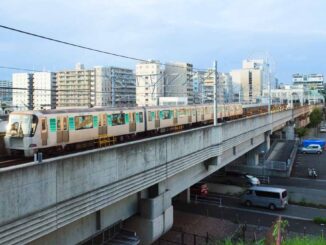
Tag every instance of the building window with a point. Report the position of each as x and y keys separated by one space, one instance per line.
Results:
x=234 y=150
x=252 y=141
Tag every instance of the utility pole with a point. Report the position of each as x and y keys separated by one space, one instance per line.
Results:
x=215 y=93
x=269 y=89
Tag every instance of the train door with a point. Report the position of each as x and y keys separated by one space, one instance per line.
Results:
x=132 y=122
x=65 y=131
x=62 y=130
x=103 y=128
x=157 y=119
x=175 y=117
x=189 y=115
x=44 y=131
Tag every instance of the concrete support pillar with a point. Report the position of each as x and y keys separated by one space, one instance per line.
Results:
x=185 y=196
x=252 y=158
x=155 y=218
x=289 y=132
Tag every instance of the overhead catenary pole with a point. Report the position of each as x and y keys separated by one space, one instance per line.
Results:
x=215 y=93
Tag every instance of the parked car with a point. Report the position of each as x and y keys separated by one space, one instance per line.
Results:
x=236 y=178
x=313 y=149
x=199 y=189
x=322 y=129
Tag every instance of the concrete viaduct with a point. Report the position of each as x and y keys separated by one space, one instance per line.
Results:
x=66 y=199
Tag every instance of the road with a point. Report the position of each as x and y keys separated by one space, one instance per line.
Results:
x=230 y=209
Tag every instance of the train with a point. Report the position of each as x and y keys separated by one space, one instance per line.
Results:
x=30 y=132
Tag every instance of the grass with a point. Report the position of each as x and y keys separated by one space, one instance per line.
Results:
x=305 y=241
x=304 y=203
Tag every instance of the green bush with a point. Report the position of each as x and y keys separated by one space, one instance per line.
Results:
x=320 y=220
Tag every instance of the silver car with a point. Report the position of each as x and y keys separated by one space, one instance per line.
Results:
x=313 y=148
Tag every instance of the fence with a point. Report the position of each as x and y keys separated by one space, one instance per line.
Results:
x=176 y=236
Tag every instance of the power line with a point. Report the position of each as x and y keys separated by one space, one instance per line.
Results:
x=85 y=47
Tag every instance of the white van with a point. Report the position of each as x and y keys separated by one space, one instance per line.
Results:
x=263 y=196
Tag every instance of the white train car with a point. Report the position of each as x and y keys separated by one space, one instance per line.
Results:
x=162 y=117
x=33 y=131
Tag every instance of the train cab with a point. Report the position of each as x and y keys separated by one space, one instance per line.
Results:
x=21 y=134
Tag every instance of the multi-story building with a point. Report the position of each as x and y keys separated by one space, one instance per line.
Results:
x=34 y=91
x=44 y=90
x=311 y=81
x=225 y=80
x=249 y=82
x=293 y=94
x=179 y=80
x=149 y=83
x=22 y=98
x=114 y=86
x=76 y=88
x=5 y=92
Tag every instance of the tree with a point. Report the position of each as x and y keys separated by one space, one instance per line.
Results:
x=301 y=132
x=316 y=117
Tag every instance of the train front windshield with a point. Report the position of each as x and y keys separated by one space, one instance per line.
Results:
x=21 y=125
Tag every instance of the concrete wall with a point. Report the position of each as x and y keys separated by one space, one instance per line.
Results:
x=41 y=198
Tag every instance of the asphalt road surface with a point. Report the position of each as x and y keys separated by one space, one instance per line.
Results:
x=230 y=208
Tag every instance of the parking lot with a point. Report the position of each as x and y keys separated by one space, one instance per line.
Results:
x=305 y=161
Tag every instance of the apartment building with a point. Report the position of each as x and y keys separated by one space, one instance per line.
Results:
x=22 y=97
x=149 y=83
x=44 y=90
x=179 y=80
x=76 y=88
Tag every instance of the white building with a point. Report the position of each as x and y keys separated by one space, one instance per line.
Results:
x=44 y=90
x=179 y=80
x=294 y=94
x=249 y=82
x=312 y=81
x=22 y=97
x=225 y=80
x=149 y=83
x=34 y=91
x=167 y=101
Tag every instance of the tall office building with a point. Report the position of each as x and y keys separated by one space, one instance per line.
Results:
x=5 y=92
x=311 y=81
x=179 y=80
x=149 y=83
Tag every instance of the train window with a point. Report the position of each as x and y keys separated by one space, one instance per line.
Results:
x=34 y=124
x=118 y=119
x=141 y=119
x=127 y=118
x=65 y=124
x=83 y=122
x=59 y=124
x=150 y=116
x=165 y=114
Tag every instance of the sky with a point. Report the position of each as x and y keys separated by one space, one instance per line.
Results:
x=291 y=34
